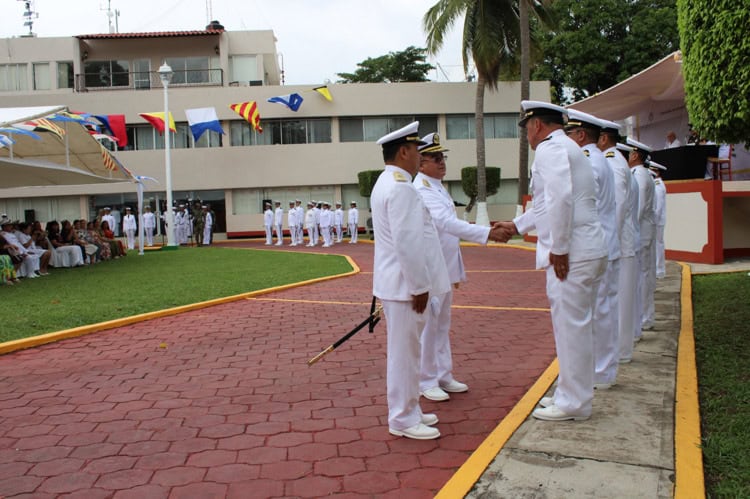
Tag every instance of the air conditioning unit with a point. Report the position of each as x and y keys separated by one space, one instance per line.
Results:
x=256 y=83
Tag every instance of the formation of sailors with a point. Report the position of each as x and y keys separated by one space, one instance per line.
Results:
x=319 y=222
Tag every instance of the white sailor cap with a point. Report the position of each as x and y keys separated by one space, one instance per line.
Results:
x=409 y=133
x=432 y=144
x=310 y=203
x=609 y=126
x=291 y=202
x=656 y=166
x=638 y=146
x=107 y=208
x=297 y=200
x=326 y=203
x=338 y=203
x=353 y=202
x=583 y=120
x=622 y=147
x=203 y=206
x=534 y=108
x=127 y=208
x=277 y=202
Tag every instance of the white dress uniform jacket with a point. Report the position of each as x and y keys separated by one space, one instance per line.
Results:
x=450 y=228
x=564 y=211
x=605 y=198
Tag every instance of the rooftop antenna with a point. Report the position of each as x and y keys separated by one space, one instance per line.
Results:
x=209 y=12
x=441 y=70
x=29 y=15
x=112 y=15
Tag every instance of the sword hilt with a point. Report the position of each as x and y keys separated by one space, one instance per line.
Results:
x=320 y=355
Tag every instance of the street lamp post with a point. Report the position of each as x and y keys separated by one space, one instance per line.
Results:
x=165 y=73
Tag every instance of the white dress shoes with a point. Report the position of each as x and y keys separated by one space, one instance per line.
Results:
x=454 y=387
x=435 y=394
x=418 y=432
x=554 y=413
x=603 y=386
x=429 y=419
x=547 y=401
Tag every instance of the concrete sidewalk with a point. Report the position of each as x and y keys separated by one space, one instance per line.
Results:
x=627 y=448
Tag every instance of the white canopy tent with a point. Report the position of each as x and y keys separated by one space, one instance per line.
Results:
x=71 y=159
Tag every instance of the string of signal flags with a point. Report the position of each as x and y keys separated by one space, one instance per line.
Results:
x=202 y=119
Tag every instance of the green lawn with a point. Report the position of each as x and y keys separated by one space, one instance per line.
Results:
x=159 y=279
x=722 y=333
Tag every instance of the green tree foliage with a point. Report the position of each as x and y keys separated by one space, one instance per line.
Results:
x=469 y=183
x=367 y=179
x=716 y=67
x=408 y=65
x=598 y=43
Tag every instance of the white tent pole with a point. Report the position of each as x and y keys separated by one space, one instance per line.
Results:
x=67 y=145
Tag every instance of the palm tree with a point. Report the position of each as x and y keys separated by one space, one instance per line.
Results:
x=491 y=37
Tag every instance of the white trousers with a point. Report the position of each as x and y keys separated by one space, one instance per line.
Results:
x=572 y=310
x=312 y=236
x=606 y=332
x=627 y=300
x=206 y=235
x=403 y=327
x=353 y=233
x=130 y=234
x=437 y=362
x=149 y=233
x=647 y=262
x=339 y=233
x=269 y=234
x=661 y=268
x=326 y=232
x=279 y=234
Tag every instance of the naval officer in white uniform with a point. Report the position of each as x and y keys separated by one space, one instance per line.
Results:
x=408 y=270
x=572 y=249
x=436 y=378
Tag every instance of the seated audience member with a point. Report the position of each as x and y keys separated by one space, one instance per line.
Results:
x=64 y=254
x=672 y=141
x=91 y=236
x=69 y=237
x=29 y=263
x=7 y=264
x=23 y=234
x=118 y=249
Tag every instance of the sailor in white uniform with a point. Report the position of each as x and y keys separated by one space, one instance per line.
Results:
x=278 y=220
x=338 y=221
x=626 y=201
x=436 y=377
x=571 y=247
x=291 y=221
x=129 y=226
x=584 y=129
x=647 y=251
x=408 y=270
x=312 y=238
x=326 y=219
x=268 y=223
x=660 y=215
x=149 y=224
x=352 y=222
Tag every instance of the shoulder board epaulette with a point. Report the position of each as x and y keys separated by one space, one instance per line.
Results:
x=657 y=181
x=610 y=154
x=425 y=183
x=586 y=153
x=399 y=177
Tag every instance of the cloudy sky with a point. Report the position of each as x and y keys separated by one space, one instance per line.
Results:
x=316 y=38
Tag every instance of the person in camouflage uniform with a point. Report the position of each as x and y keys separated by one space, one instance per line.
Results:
x=198 y=223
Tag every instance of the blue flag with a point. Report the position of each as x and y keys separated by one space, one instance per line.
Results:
x=292 y=101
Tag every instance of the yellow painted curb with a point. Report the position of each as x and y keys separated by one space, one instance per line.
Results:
x=688 y=455
x=468 y=474
x=12 y=346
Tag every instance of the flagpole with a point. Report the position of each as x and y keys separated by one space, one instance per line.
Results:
x=165 y=73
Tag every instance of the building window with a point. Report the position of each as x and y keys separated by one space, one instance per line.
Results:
x=243 y=69
x=145 y=137
x=65 y=74
x=208 y=139
x=194 y=70
x=41 y=76
x=309 y=131
x=496 y=126
x=371 y=128
x=13 y=77
x=107 y=73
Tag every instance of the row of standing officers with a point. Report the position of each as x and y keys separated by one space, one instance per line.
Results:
x=319 y=220
x=597 y=216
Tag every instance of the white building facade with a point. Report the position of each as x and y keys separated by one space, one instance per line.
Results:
x=314 y=153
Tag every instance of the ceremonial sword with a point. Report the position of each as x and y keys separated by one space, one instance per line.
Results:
x=372 y=320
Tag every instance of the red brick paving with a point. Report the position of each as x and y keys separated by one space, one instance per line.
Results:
x=230 y=408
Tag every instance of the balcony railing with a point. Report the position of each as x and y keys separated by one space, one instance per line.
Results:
x=145 y=80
